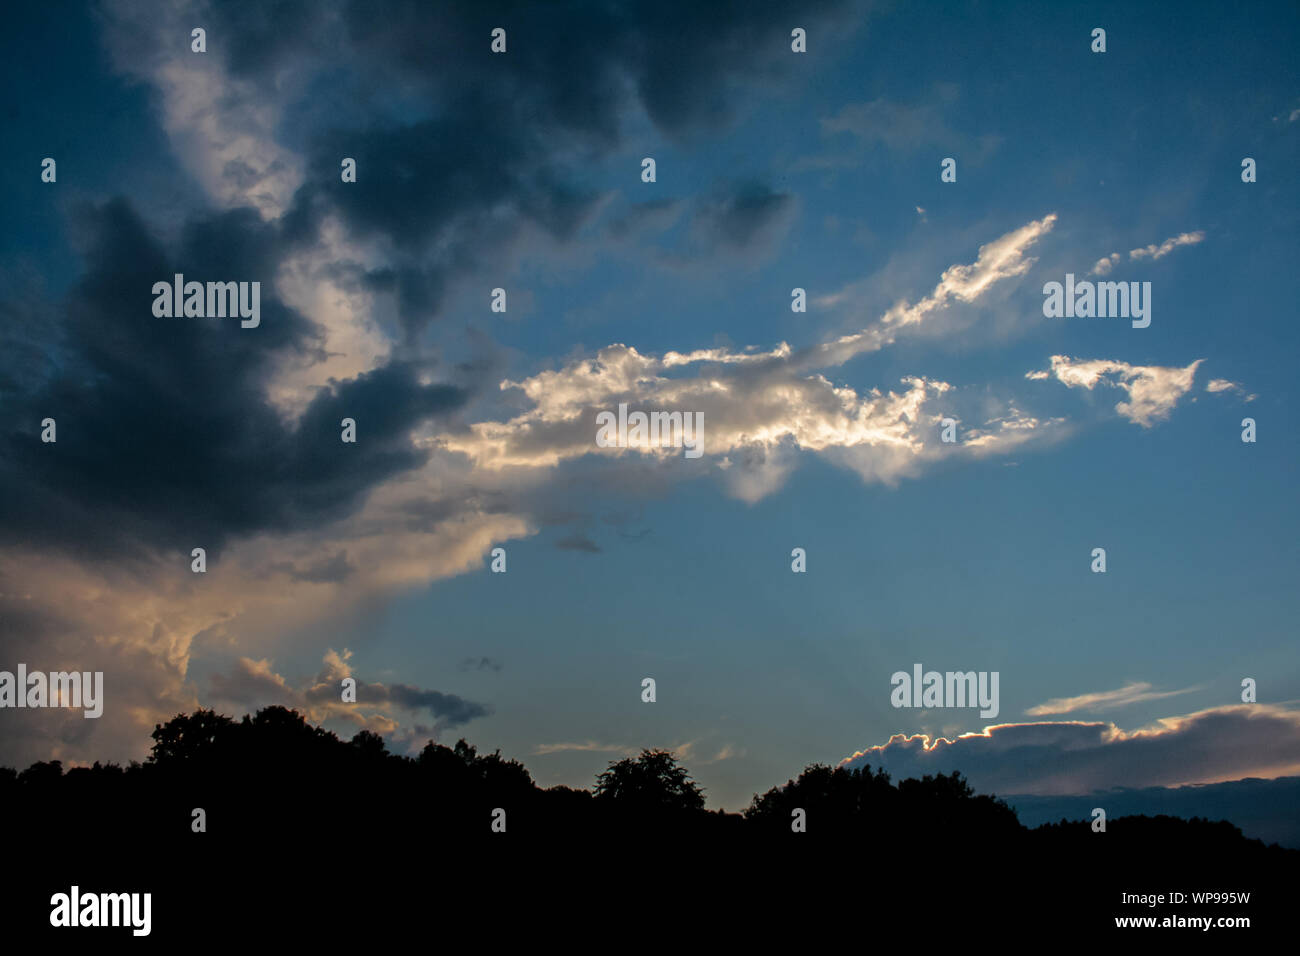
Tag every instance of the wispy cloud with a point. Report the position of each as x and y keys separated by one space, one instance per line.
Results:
x=1105 y=264
x=586 y=746
x=1217 y=385
x=1169 y=245
x=902 y=128
x=1131 y=693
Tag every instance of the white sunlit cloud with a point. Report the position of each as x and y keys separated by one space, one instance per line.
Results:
x=1153 y=390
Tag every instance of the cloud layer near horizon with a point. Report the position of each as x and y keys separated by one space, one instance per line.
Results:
x=1074 y=757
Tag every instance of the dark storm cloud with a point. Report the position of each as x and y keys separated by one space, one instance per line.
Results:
x=570 y=64
x=450 y=193
x=165 y=436
x=484 y=145
x=448 y=708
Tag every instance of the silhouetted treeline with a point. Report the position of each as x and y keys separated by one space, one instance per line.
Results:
x=277 y=791
x=273 y=772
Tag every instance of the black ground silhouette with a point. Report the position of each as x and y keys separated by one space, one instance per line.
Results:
x=299 y=823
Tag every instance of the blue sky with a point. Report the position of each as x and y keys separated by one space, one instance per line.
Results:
x=774 y=170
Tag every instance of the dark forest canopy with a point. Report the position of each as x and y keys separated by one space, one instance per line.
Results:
x=290 y=809
x=274 y=772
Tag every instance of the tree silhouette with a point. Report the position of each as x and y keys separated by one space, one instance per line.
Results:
x=188 y=736
x=370 y=744
x=651 y=781
x=839 y=802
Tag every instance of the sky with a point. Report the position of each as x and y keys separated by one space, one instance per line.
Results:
x=476 y=429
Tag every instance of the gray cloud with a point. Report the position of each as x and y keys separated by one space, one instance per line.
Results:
x=640 y=218
x=745 y=217
x=578 y=542
x=904 y=128
x=1078 y=757
x=325 y=571
x=253 y=684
